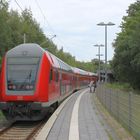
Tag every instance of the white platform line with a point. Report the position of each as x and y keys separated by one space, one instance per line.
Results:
x=46 y=129
x=74 y=127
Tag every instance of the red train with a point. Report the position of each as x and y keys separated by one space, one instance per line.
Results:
x=33 y=80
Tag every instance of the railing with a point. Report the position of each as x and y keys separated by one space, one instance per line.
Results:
x=124 y=106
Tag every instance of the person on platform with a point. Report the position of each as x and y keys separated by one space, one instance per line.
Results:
x=92 y=86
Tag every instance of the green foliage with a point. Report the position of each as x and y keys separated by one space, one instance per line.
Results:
x=5 y=31
x=120 y=86
x=126 y=62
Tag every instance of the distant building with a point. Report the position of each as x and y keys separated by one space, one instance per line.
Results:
x=110 y=76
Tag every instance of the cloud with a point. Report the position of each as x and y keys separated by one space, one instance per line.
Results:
x=75 y=22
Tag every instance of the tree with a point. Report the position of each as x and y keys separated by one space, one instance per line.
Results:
x=5 y=31
x=126 y=62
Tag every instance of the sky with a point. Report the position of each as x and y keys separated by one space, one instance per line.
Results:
x=74 y=22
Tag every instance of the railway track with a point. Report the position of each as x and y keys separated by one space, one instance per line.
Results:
x=21 y=130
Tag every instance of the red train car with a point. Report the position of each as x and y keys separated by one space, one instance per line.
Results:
x=33 y=80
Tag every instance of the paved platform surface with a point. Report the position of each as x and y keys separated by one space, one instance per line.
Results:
x=78 y=120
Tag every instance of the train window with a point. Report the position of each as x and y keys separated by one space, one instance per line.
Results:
x=57 y=76
x=51 y=57
x=64 y=66
x=22 y=73
x=51 y=75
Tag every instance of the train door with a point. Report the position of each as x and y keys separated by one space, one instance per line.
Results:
x=60 y=80
x=57 y=81
x=54 y=83
x=63 y=82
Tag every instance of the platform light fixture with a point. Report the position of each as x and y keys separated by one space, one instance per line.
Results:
x=105 y=25
x=99 y=55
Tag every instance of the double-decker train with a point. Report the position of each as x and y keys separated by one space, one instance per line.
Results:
x=33 y=81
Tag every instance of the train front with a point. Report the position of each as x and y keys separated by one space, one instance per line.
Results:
x=20 y=83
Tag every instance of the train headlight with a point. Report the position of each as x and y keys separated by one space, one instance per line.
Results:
x=13 y=87
x=27 y=87
x=9 y=87
x=31 y=86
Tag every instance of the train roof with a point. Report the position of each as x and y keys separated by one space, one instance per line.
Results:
x=79 y=71
x=62 y=64
x=93 y=74
x=28 y=49
x=35 y=50
x=83 y=72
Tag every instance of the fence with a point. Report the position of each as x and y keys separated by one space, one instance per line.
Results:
x=124 y=106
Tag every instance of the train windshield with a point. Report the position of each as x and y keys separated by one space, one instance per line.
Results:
x=22 y=73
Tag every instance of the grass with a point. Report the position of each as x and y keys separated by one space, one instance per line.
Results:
x=120 y=86
x=1 y=116
x=123 y=87
x=110 y=137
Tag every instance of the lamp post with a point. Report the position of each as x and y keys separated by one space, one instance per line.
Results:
x=105 y=25
x=99 y=55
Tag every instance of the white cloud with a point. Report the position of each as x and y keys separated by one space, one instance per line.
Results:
x=74 y=22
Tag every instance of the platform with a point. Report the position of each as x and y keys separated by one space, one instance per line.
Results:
x=78 y=120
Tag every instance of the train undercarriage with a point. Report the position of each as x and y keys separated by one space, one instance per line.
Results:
x=25 y=111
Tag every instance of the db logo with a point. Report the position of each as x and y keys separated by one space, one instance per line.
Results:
x=20 y=98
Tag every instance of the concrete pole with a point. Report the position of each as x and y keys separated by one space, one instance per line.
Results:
x=24 y=38
x=105 y=53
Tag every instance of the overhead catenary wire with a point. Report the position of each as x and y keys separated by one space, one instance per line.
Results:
x=24 y=35
x=41 y=11
x=45 y=19
x=51 y=28
x=18 y=5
